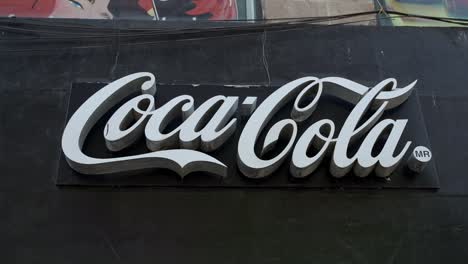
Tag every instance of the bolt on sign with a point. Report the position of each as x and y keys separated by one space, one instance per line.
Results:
x=311 y=132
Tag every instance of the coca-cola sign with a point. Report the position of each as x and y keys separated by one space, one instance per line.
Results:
x=367 y=142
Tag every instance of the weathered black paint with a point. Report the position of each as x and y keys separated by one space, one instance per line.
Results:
x=40 y=222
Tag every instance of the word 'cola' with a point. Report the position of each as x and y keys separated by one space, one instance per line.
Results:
x=209 y=126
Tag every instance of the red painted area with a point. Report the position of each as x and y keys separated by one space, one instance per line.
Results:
x=27 y=8
x=146 y=4
x=219 y=9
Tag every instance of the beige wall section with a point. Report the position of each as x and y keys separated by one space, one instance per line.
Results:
x=316 y=8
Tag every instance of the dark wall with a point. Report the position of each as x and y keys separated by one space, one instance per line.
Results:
x=39 y=221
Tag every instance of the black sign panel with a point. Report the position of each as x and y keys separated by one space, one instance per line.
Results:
x=328 y=107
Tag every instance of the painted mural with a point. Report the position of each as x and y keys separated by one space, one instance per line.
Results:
x=109 y=9
x=436 y=8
